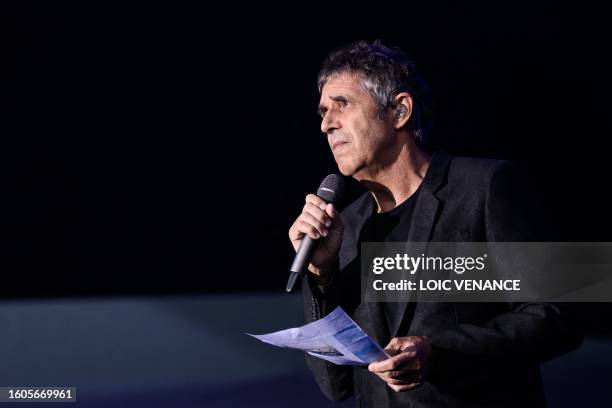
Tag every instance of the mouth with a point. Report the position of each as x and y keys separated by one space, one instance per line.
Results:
x=337 y=144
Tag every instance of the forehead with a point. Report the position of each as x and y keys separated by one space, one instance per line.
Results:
x=343 y=84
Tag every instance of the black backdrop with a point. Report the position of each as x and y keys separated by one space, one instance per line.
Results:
x=167 y=149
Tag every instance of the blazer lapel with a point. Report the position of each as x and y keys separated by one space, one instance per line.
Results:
x=423 y=220
x=353 y=224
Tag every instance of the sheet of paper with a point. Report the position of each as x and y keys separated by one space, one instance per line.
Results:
x=335 y=338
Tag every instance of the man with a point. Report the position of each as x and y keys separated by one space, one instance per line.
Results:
x=375 y=113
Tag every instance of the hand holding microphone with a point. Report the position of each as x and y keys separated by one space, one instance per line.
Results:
x=316 y=234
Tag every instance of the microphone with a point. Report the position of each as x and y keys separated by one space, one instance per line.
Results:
x=330 y=191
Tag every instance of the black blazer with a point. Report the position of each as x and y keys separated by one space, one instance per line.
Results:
x=484 y=354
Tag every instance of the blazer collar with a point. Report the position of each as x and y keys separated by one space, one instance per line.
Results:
x=434 y=178
x=424 y=213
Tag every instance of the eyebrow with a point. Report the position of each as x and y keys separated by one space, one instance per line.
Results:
x=337 y=98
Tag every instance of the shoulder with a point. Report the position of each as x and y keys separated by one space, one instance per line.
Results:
x=469 y=172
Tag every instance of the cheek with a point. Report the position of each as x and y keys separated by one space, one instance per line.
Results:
x=363 y=134
x=370 y=136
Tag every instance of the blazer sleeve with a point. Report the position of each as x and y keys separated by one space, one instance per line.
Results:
x=335 y=381
x=523 y=333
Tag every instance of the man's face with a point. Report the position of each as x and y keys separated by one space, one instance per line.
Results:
x=350 y=119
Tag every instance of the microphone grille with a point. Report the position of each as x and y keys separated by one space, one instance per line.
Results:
x=331 y=188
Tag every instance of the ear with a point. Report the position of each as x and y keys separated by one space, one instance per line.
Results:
x=403 y=109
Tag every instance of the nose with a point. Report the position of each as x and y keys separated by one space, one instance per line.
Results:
x=329 y=123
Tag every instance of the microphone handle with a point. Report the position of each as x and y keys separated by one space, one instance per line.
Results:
x=301 y=261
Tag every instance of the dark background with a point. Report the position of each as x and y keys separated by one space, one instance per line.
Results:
x=163 y=149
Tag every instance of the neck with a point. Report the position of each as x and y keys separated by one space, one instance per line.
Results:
x=394 y=182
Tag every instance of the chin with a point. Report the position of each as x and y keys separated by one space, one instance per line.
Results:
x=345 y=172
x=346 y=169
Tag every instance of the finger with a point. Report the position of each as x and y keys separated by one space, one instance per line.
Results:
x=406 y=352
x=407 y=376
x=294 y=232
x=392 y=363
x=390 y=375
x=331 y=211
x=318 y=225
x=308 y=229
x=316 y=200
x=397 y=345
x=406 y=381
x=394 y=343
x=317 y=213
x=402 y=388
x=383 y=366
x=398 y=388
x=392 y=381
x=394 y=347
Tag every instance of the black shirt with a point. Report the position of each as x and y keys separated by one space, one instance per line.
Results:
x=383 y=225
x=391 y=226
